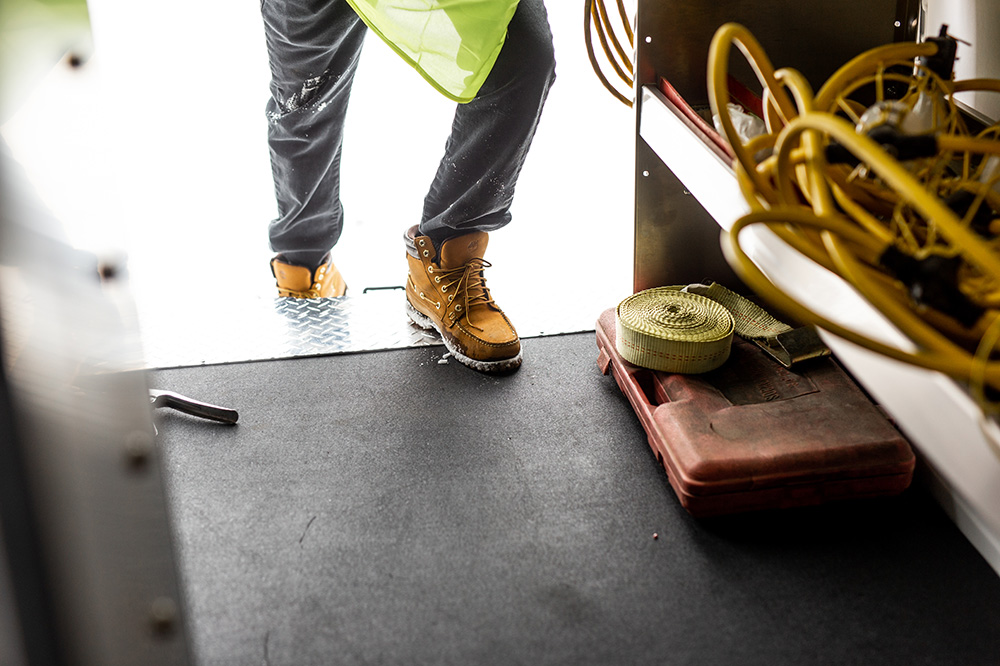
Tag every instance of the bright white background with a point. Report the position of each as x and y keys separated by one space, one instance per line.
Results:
x=156 y=150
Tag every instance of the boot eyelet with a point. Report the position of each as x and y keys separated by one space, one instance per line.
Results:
x=420 y=242
x=430 y=269
x=426 y=253
x=458 y=308
x=438 y=279
x=451 y=298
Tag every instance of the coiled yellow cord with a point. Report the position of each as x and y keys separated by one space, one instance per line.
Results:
x=597 y=20
x=845 y=218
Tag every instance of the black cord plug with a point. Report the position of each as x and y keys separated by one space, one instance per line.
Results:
x=933 y=282
x=900 y=146
x=961 y=202
x=941 y=63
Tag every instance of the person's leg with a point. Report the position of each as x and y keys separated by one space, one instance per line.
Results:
x=471 y=195
x=474 y=185
x=313 y=46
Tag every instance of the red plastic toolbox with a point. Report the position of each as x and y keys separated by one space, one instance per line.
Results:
x=755 y=435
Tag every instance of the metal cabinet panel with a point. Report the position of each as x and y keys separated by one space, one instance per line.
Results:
x=673 y=38
x=676 y=241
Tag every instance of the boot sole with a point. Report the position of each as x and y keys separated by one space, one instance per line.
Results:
x=493 y=367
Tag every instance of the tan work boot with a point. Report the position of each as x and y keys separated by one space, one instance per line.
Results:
x=450 y=295
x=300 y=282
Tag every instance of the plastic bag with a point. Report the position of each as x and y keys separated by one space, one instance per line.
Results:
x=747 y=125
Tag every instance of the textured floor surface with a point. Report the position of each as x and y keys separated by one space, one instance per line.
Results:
x=249 y=327
x=388 y=508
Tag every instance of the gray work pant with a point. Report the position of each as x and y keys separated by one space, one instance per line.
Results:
x=314 y=47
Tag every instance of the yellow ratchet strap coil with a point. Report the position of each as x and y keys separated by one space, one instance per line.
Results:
x=751 y=321
x=671 y=330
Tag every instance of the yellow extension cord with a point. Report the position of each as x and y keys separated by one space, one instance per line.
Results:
x=845 y=218
x=597 y=21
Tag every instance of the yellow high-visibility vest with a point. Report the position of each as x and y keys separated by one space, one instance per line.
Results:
x=452 y=43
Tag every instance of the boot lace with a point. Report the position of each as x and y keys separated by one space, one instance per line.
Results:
x=466 y=284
